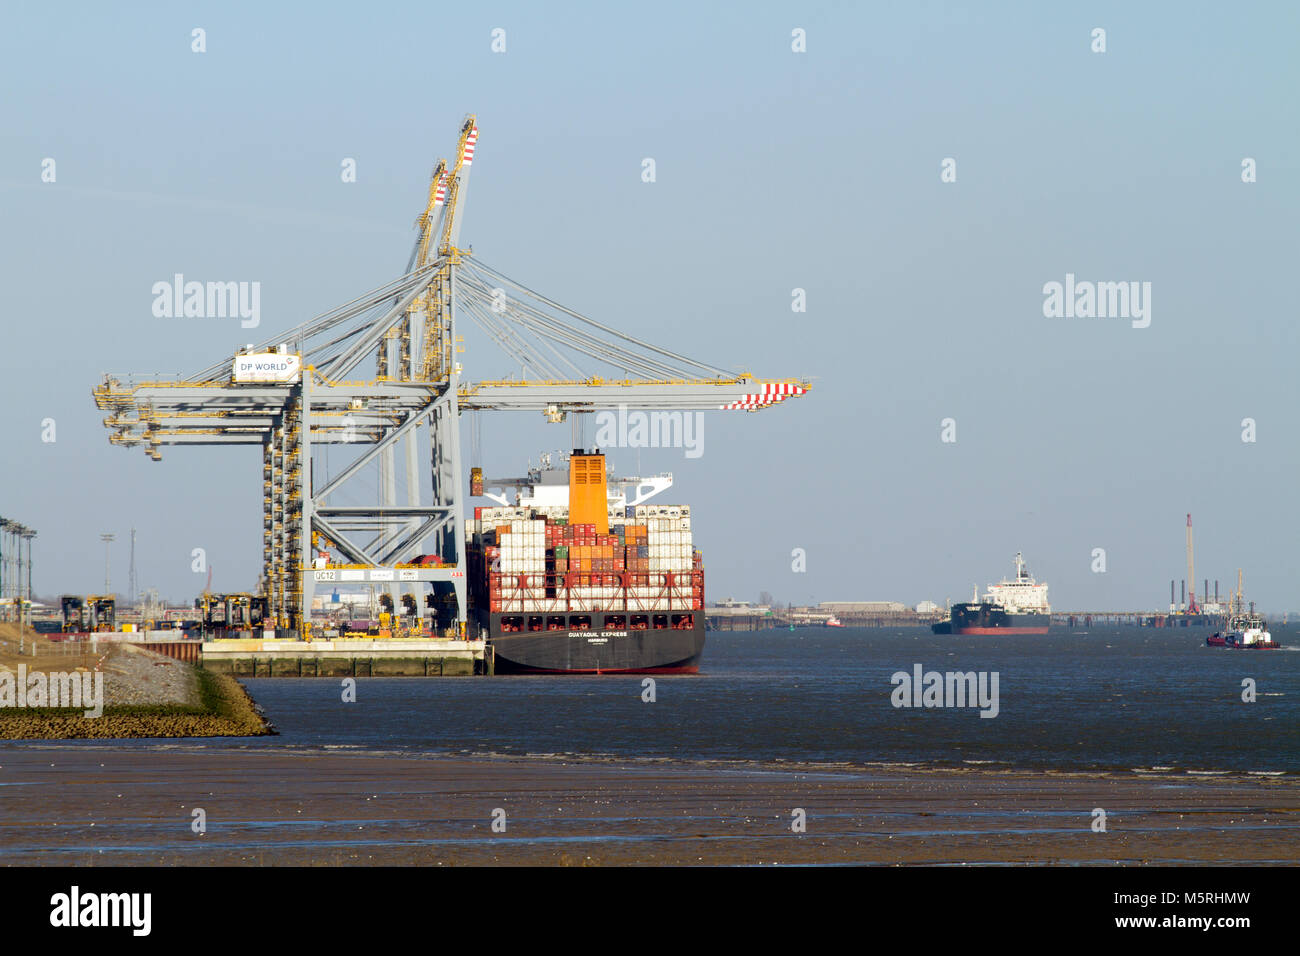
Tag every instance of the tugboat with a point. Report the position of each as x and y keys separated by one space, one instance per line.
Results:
x=833 y=621
x=1246 y=630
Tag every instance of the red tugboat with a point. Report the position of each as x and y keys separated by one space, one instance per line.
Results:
x=1245 y=630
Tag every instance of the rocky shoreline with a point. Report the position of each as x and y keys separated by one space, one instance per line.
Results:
x=144 y=695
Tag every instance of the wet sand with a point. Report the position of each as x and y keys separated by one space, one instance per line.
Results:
x=102 y=805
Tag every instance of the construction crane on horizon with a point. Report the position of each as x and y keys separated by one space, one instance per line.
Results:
x=301 y=389
x=1192 y=607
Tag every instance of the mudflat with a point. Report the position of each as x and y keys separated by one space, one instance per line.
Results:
x=104 y=804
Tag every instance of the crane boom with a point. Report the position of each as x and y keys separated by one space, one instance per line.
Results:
x=458 y=185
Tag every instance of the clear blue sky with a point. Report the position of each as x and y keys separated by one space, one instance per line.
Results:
x=775 y=170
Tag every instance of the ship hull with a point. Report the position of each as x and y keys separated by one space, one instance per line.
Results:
x=991 y=620
x=1235 y=644
x=605 y=648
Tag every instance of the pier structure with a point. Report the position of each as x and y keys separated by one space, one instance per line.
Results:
x=1136 y=619
x=752 y=618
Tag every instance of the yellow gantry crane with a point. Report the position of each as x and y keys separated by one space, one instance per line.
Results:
x=379 y=372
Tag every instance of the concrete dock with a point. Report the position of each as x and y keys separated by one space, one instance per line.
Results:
x=347 y=658
x=286 y=656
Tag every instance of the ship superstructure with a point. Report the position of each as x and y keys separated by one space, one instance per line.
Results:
x=1020 y=595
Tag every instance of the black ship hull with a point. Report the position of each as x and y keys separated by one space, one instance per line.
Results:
x=606 y=646
x=991 y=619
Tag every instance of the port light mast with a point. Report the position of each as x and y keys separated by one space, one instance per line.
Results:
x=380 y=371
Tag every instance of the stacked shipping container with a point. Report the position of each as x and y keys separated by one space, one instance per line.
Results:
x=533 y=561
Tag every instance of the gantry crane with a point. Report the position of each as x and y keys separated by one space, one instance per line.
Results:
x=305 y=389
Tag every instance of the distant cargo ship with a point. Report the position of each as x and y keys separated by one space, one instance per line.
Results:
x=1018 y=606
x=572 y=578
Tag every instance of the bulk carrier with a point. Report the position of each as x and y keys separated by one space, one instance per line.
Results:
x=1018 y=606
x=573 y=578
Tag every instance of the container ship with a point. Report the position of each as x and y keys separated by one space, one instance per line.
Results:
x=573 y=578
x=1018 y=606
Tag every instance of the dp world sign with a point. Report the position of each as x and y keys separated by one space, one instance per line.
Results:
x=266 y=367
